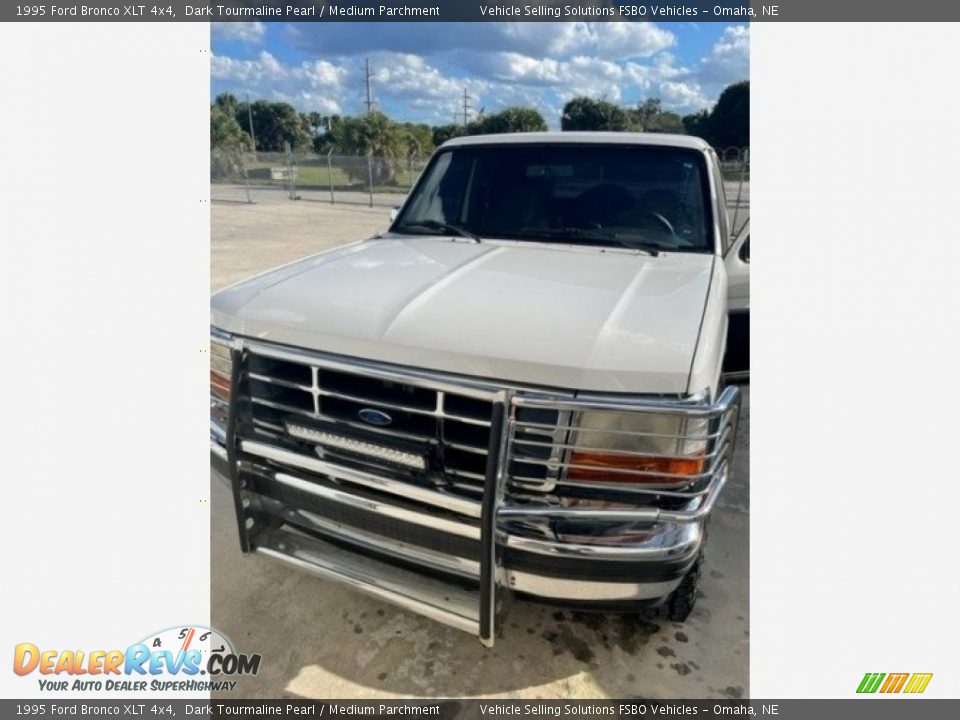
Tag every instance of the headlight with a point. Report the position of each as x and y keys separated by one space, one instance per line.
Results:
x=642 y=448
x=221 y=372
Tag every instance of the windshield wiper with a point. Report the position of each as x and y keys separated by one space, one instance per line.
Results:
x=648 y=247
x=442 y=227
x=575 y=234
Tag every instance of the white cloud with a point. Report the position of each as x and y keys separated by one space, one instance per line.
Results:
x=516 y=67
x=250 y=32
x=314 y=85
x=729 y=59
x=628 y=39
x=408 y=83
x=613 y=40
x=405 y=74
x=536 y=64
x=599 y=78
x=682 y=96
x=610 y=40
x=593 y=76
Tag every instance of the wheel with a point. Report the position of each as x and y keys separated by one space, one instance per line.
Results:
x=681 y=601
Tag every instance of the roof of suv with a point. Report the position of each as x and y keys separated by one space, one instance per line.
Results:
x=603 y=138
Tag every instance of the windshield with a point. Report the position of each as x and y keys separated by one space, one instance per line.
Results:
x=653 y=198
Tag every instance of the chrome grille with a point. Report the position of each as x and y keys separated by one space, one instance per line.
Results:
x=537 y=438
x=450 y=424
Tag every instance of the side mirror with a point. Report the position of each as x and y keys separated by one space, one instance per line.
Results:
x=394 y=211
x=745 y=251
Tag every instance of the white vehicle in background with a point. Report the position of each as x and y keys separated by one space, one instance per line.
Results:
x=516 y=389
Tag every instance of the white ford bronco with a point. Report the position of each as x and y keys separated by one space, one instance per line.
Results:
x=515 y=390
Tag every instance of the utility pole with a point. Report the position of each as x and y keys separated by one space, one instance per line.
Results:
x=466 y=107
x=369 y=75
x=253 y=137
x=369 y=104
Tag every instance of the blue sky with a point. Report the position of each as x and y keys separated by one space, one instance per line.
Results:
x=421 y=69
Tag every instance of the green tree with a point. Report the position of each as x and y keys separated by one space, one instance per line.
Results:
x=316 y=121
x=325 y=142
x=226 y=102
x=274 y=124
x=696 y=124
x=227 y=139
x=446 y=132
x=668 y=122
x=225 y=131
x=372 y=134
x=649 y=116
x=583 y=113
x=416 y=138
x=509 y=120
x=646 y=114
x=729 y=121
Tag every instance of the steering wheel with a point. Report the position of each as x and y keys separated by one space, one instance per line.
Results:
x=659 y=220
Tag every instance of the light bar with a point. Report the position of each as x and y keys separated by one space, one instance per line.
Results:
x=326 y=439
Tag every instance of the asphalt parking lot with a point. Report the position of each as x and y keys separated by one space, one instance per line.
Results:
x=321 y=640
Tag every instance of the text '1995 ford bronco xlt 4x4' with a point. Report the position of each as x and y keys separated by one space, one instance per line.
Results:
x=515 y=389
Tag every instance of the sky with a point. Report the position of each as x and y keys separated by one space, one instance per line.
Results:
x=420 y=70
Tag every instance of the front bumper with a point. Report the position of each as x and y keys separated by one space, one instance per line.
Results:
x=630 y=575
x=422 y=541
x=416 y=561
x=457 y=561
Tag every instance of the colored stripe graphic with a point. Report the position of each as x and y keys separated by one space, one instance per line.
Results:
x=918 y=682
x=870 y=682
x=894 y=682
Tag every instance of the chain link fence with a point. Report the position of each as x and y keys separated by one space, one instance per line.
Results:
x=240 y=175
x=735 y=167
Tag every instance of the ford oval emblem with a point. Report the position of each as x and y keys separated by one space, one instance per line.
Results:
x=372 y=416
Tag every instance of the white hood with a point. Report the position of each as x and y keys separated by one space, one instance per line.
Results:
x=550 y=315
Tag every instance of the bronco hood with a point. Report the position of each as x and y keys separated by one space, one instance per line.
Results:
x=560 y=316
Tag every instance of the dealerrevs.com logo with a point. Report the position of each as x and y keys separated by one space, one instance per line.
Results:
x=178 y=659
x=890 y=683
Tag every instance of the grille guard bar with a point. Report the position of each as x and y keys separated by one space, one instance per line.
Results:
x=494 y=512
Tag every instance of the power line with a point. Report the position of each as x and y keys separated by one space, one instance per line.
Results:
x=466 y=107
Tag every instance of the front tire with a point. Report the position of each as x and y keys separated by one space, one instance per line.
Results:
x=681 y=601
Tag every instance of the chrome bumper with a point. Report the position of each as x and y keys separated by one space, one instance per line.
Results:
x=661 y=560
x=547 y=571
x=345 y=530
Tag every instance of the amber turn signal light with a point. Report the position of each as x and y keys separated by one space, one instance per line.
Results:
x=219 y=385
x=608 y=467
